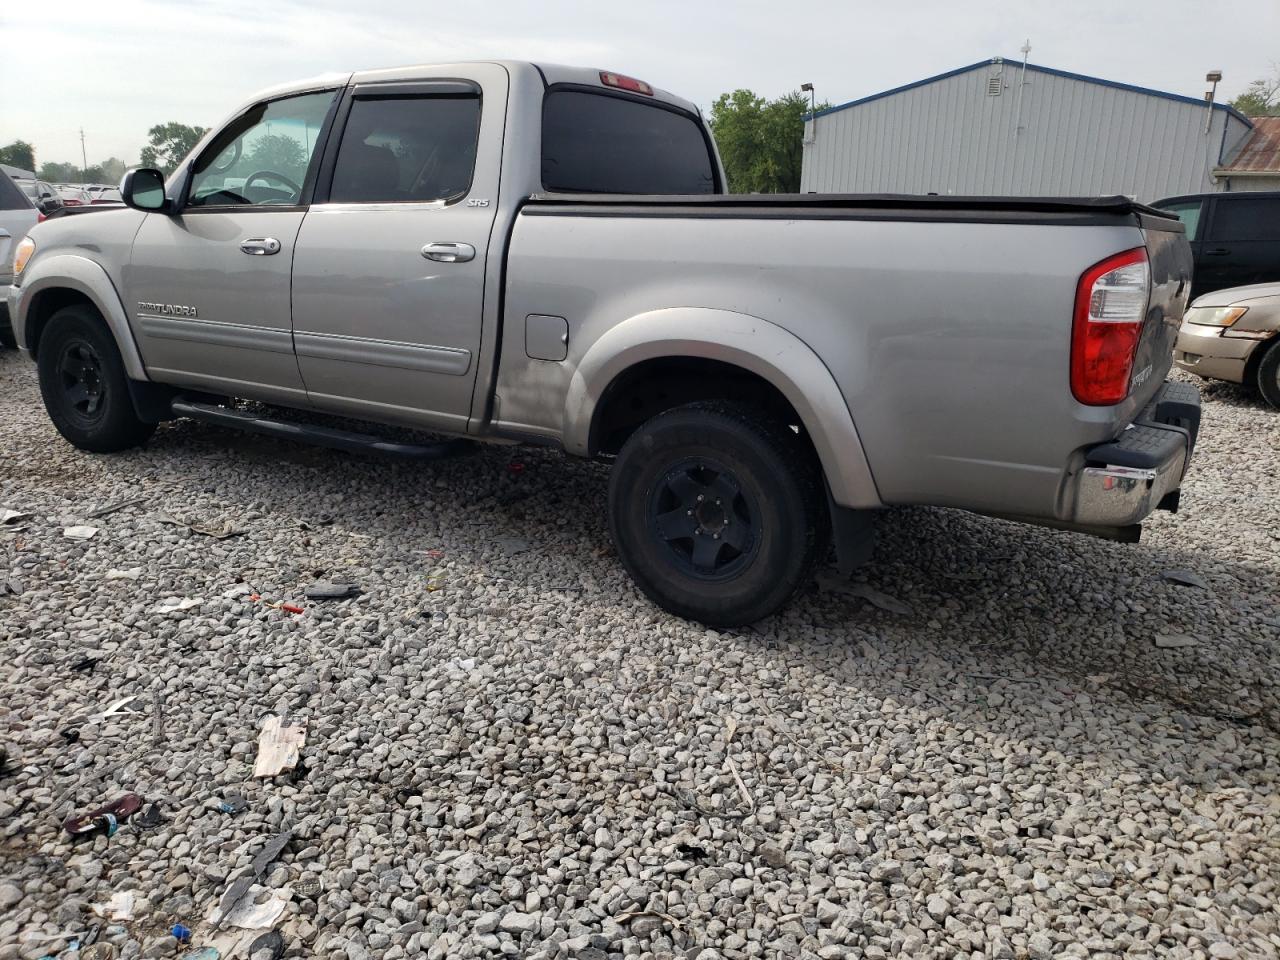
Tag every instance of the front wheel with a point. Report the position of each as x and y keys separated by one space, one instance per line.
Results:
x=1268 y=381
x=718 y=512
x=84 y=385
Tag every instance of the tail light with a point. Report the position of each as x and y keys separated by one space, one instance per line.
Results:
x=630 y=84
x=1111 y=305
x=40 y=216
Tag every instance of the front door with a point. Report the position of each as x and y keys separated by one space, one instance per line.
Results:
x=208 y=286
x=388 y=279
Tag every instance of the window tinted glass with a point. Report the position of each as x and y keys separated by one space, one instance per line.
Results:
x=262 y=157
x=11 y=197
x=1247 y=219
x=1189 y=214
x=401 y=149
x=593 y=143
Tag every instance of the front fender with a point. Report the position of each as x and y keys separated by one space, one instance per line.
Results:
x=756 y=345
x=68 y=271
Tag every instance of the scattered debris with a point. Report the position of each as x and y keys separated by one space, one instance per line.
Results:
x=106 y=819
x=1175 y=641
x=731 y=727
x=181 y=934
x=8 y=516
x=241 y=910
x=512 y=545
x=331 y=591
x=86 y=665
x=121 y=905
x=515 y=468
x=176 y=604
x=233 y=803
x=116 y=507
x=117 y=709
x=204 y=953
x=278 y=746
x=863 y=591
x=99 y=951
x=150 y=818
x=632 y=914
x=218 y=533
x=80 y=532
x=1185 y=578
x=133 y=573
x=277 y=605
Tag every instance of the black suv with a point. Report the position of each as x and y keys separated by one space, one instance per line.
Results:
x=1235 y=237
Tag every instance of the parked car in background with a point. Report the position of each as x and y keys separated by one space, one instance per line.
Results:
x=1234 y=335
x=1235 y=237
x=17 y=216
x=107 y=195
x=73 y=195
x=43 y=196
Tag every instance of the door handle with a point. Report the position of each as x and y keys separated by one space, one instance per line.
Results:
x=260 y=246
x=1217 y=252
x=449 y=252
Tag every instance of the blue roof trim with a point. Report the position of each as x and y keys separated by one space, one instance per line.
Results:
x=1176 y=97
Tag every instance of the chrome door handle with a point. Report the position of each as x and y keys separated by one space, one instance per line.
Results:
x=260 y=246
x=449 y=252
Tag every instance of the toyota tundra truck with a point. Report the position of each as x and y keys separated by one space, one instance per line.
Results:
x=519 y=252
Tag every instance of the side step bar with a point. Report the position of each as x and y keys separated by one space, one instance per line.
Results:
x=320 y=436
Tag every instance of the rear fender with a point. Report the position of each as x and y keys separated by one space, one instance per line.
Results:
x=755 y=345
x=70 y=272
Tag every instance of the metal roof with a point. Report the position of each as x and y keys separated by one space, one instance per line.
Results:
x=1261 y=151
x=1035 y=68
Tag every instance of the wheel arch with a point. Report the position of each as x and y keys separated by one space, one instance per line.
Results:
x=62 y=280
x=724 y=341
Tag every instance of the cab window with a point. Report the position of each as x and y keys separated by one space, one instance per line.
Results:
x=1244 y=219
x=263 y=156
x=1189 y=214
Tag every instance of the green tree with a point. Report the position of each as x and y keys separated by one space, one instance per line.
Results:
x=113 y=169
x=60 y=173
x=19 y=154
x=278 y=152
x=760 y=140
x=1261 y=99
x=168 y=144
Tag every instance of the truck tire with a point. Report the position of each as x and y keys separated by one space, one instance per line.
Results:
x=1268 y=379
x=7 y=339
x=718 y=512
x=84 y=386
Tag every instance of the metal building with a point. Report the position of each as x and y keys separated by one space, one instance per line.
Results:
x=1002 y=127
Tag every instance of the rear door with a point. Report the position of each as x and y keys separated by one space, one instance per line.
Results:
x=208 y=286
x=388 y=280
x=1242 y=243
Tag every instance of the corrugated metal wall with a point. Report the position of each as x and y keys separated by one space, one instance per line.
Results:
x=1075 y=139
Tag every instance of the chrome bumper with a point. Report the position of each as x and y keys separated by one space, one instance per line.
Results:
x=1114 y=496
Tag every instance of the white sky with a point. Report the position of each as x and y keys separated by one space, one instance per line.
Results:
x=118 y=68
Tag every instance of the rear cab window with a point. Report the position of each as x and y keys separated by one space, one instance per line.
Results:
x=11 y=195
x=595 y=142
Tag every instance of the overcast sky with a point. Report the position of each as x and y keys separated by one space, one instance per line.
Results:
x=117 y=68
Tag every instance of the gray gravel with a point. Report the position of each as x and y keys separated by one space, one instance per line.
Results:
x=510 y=753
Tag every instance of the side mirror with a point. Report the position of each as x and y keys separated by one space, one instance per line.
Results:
x=143 y=189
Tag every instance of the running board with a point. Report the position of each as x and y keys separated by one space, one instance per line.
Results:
x=319 y=436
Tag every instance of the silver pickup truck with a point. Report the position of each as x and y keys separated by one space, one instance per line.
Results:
x=533 y=253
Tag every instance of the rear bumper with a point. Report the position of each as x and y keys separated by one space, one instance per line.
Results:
x=1207 y=352
x=1124 y=481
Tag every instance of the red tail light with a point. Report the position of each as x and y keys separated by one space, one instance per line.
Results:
x=40 y=217
x=626 y=83
x=1111 y=305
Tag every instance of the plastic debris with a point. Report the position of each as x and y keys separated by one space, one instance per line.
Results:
x=286 y=607
x=1185 y=578
x=133 y=573
x=80 y=532
x=237 y=906
x=233 y=803
x=863 y=591
x=181 y=934
x=85 y=665
x=116 y=507
x=117 y=709
x=176 y=604
x=121 y=905
x=1175 y=641
x=331 y=591
x=515 y=468
x=8 y=516
x=218 y=533
x=204 y=953
x=99 y=951
x=106 y=819
x=278 y=746
x=149 y=819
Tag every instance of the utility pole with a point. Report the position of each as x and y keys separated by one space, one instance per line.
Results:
x=84 y=160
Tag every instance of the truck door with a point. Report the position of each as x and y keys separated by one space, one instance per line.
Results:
x=208 y=285
x=1242 y=245
x=389 y=275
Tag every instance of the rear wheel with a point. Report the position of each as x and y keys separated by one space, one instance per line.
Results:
x=84 y=385
x=1268 y=378
x=718 y=512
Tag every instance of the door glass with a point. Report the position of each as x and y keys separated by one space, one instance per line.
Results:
x=407 y=149
x=1189 y=214
x=263 y=156
x=1246 y=219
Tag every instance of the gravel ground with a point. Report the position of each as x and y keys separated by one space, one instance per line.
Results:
x=1052 y=750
